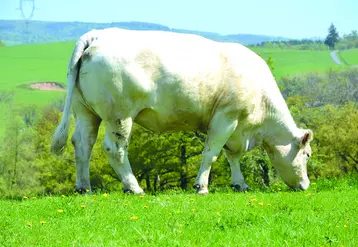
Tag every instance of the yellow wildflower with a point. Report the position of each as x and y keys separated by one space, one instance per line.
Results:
x=261 y=203
x=42 y=222
x=25 y=197
x=253 y=199
x=146 y=206
x=275 y=185
x=105 y=194
x=180 y=225
x=309 y=194
x=83 y=206
x=134 y=217
x=141 y=196
x=192 y=199
x=60 y=211
x=345 y=226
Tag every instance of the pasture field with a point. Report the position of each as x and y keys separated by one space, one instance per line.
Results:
x=350 y=56
x=292 y=62
x=325 y=215
x=25 y=64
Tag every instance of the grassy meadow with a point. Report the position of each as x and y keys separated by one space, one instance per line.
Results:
x=350 y=56
x=292 y=62
x=325 y=215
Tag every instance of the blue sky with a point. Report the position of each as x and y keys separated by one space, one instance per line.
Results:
x=288 y=18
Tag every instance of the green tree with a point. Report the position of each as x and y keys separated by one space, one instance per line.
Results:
x=332 y=37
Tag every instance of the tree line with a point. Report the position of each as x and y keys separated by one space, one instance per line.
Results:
x=332 y=41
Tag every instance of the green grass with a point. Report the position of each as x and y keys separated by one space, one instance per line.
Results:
x=317 y=217
x=22 y=65
x=292 y=62
x=350 y=56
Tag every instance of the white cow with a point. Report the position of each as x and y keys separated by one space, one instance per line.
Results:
x=168 y=82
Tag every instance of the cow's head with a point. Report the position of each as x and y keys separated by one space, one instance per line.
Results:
x=290 y=159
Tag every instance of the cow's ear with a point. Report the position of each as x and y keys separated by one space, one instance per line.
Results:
x=306 y=138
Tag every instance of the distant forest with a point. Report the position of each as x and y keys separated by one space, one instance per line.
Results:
x=14 y=32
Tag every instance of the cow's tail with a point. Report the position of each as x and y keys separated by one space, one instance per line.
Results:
x=59 y=138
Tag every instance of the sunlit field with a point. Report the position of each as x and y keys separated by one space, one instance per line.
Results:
x=350 y=56
x=292 y=62
x=325 y=215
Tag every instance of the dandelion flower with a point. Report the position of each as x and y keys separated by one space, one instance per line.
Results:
x=261 y=203
x=87 y=190
x=309 y=194
x=134 y=217
x=42 y=222
x=141 y=196
x=105 y=194
x=253 y=199
x=275 y=184
x=25 y=197
x=83 y=206
x=146 y=206
x=60 y=211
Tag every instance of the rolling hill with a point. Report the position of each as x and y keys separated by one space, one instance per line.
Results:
x=14 y=32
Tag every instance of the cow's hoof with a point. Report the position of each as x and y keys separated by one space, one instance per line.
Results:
x=240 y=188
x=200 y=189
x=137 y=191
x=83 y=191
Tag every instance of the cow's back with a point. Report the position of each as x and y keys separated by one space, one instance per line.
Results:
x=169 y=81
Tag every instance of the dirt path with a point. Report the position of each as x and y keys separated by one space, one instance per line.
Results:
x=335 y=57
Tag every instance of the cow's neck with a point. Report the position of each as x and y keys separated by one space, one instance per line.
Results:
x=280 y=128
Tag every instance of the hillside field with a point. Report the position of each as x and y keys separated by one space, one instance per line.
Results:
x=350 y=56
x=25 y=64
x=325 y=215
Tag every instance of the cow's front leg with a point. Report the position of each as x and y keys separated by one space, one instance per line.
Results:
x=238 y=181
x=221 y=128
x=116 y=145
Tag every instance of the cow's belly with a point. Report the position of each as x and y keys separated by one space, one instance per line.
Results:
x=173 y=121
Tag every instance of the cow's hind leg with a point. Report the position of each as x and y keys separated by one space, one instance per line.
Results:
x=116 y=146
x=83 y=139
x=221 y=128
x=238 y=181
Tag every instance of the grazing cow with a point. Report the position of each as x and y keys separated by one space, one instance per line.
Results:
x=168 y=82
